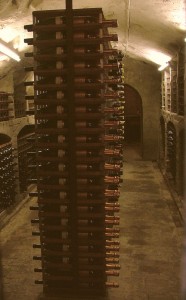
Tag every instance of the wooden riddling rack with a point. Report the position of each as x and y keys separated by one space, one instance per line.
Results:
x=79 y=126
x=173 y=86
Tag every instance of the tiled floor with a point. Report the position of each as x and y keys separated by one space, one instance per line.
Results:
x=151 y=242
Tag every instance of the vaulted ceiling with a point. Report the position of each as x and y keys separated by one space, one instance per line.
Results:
x=149 y=30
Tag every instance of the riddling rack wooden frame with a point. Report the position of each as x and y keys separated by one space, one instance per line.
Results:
x=79 y=133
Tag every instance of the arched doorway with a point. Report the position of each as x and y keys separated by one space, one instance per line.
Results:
x=133 y=123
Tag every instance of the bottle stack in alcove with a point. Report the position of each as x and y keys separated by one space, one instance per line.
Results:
x=7 y=176
x=79 y=125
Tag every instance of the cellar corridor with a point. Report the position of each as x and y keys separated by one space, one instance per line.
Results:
x=150 y=242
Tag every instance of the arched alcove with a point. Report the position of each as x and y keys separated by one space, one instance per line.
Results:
x=133 y=121
x=171 y=151
x=27 y=129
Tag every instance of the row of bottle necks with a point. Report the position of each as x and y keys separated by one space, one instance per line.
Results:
x=96 y=52
x=90 y=159
x=86 y=115
x=59 y=143
x=85 y=208
x=83 y=131
x=82 y=267
x=60 y=124
x=65 y=286
x=112 y=69
x=85 y=224
x=50 y=273
x=62 y=141
x=51 y=231
x=98 y=252
x=77 y=20
x=109 y=193
x=49 y=226
x=91 y=220
x=101 y=166
x=106 y=152
x=99 y=247
x=104 y=180
x=58 y=23
x=116 y=109
x=84 y=212
x=83 y=57
x=109 y=109
x=91 y=84
x=83 y=98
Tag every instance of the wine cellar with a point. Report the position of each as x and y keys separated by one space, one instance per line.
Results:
x=92 y=150
x=79 y=115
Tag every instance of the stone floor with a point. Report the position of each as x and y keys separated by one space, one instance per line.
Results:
x=151 y=242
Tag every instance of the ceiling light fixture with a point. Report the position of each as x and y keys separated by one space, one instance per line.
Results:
x=164 y=66
x=7 y=51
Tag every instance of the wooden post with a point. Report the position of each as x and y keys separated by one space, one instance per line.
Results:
x=69 y=4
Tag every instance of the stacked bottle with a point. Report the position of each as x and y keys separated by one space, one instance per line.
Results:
x=7 y=176
x=26 y=160
x=171 y=150
x=79 y=128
